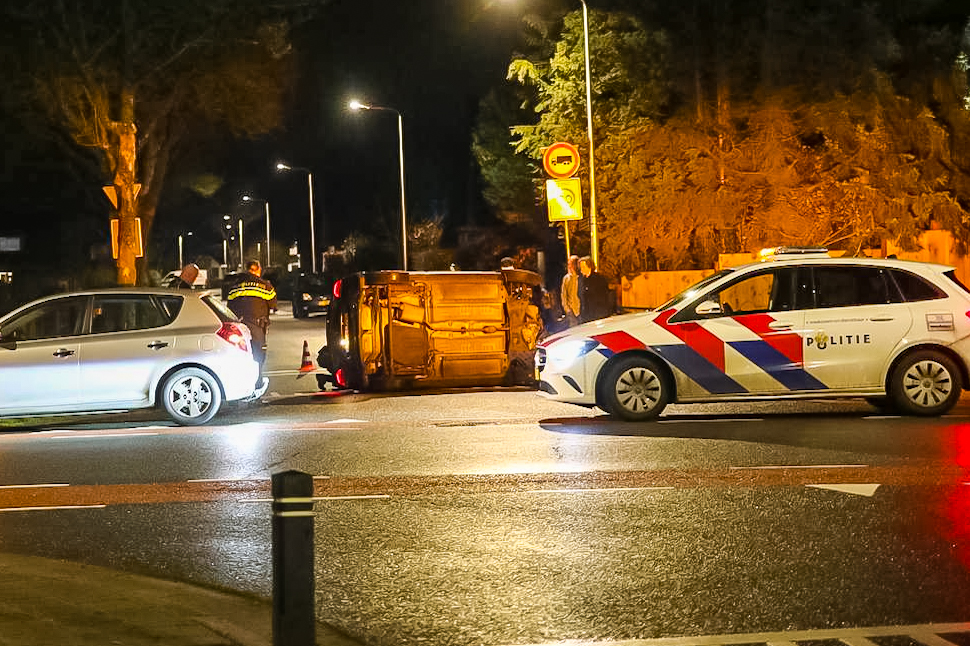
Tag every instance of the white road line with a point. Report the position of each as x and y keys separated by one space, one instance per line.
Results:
x=35 y=486
x=53 y=508
x=227 y=479
x=81 y=435
x=928 y=632
x=376 y=496
x=803 y=466
x=603 y=490
x=244 y=479
x=712 y=421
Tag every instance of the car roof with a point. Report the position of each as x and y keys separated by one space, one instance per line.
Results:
x=813 y=259
x=169 y=291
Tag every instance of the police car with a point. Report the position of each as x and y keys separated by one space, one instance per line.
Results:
x=797 y=324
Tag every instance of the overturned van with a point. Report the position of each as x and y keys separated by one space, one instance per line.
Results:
x=394 y=330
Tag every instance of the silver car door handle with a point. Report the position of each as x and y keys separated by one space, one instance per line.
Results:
x=157 y=345
x=63 y=352
x=779 y=325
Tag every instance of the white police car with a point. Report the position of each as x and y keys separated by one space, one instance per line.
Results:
x=799 y=324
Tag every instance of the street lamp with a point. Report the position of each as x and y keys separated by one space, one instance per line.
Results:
x=250 y=198
x=357 y=105
x=313 y=237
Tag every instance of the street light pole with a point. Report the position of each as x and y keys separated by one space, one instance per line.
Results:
x=593 y=233
x=250 y=198
x=313 y=236
x=242 y=261
x=357 y=105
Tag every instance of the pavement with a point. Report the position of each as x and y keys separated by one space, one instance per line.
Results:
x=48 y=602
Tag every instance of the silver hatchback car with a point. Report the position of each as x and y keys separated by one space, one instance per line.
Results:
x=121 y=349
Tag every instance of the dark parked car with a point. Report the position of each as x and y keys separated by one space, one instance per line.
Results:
x=311 y=295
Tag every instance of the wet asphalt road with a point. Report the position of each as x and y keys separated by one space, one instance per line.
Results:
x=497 y=517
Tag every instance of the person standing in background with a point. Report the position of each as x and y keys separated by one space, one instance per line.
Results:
x=595 y=297
x=569 y=291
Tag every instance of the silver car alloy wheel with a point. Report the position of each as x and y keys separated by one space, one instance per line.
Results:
x=638 y=389
x=191 y=397
x=927 y=383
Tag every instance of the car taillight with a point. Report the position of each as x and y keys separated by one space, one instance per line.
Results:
x=232 y=333
x=336 y=288
x=341 y=380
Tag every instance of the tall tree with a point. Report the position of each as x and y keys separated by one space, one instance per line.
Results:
x=135 y=79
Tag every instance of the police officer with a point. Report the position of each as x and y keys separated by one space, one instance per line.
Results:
x=252 y=299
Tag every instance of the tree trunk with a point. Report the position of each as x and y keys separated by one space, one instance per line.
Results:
x=129 y=242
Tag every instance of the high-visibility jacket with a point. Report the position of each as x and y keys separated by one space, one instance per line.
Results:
x=252 y=300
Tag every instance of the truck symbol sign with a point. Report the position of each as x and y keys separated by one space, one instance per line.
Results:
x=563 y=159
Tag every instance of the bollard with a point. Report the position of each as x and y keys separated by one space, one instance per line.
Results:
x=294 y=620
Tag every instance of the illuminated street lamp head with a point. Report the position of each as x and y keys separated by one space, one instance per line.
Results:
x=357 y=105
x=282 y=166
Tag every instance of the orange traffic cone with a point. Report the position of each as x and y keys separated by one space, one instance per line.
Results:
x=307 y=365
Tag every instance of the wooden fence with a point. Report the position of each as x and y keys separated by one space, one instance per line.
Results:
x=652 y=288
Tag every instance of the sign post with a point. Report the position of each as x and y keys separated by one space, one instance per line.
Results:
x=563 y=193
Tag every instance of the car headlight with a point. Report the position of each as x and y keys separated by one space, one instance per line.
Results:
x=565 y=353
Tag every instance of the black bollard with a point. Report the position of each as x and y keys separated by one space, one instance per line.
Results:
x=294 y=621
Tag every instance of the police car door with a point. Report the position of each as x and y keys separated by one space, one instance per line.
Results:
x=856 y=323
x=750 y=337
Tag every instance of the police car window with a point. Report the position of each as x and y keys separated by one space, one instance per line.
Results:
x=914 y=288
x=848 y=286
x=749 y=295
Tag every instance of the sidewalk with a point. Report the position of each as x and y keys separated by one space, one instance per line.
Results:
x=45 y=602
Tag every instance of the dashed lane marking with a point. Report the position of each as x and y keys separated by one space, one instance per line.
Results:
x=927 y=634
x=855 y=479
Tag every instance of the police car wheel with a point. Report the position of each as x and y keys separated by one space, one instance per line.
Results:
x=925 y=383
x=191 y=396
x=634 y=389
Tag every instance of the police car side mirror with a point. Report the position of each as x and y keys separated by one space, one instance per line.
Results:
x=708 y=307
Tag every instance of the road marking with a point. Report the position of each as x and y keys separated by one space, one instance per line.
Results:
x=35 y=486
x=929 y=634
x=52 y=508
x=718 y=420
x=375 y=496
x=603 y=490
x=867 y=490
x=803 y=466
x=855 y=479
x=227 y=479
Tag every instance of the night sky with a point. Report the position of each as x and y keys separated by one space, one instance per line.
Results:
x=431 y=60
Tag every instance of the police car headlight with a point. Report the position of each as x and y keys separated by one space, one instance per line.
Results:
x=565 y=353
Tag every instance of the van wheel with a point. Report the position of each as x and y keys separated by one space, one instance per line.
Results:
x=925 y=383
x=191 y=396
x=635 y=389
